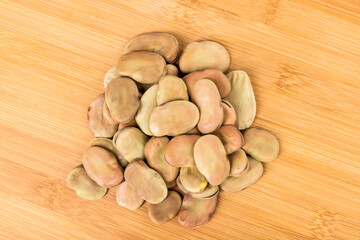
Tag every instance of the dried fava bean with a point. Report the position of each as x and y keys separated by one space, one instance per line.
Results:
x=108 y=145
x=154 y=153
x=182 y=189
x=107 y=116
x=172 y=70
x=102 y=166
x=166 y=210
x=143 y=67
x=211 y=160
x=131 y=123
x=209 y=192
x=261 y=144
x=238 y=163
x=242 y=98
x=83 y=185
x=146 y=182
x=179 y=152
x=162 y=43
x=236 y=184
x=130 y=142
x=231 y=137
x=195 y=212
x=165 y=120
x=218 y=77
x=171 y=184
x=127 y=197
x=203 y=55
x=110 y=75
x=207 y=98
x=171 y=88
x=229 y=113
x=192 y=180
x=148 y=103
x=195 y=130
x=97 y=123
x=122 y=98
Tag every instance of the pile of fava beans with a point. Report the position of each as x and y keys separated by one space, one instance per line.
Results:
x=173 y=131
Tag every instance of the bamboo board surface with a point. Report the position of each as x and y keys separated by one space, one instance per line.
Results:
x=303 y=58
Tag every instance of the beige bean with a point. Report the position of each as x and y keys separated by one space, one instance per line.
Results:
x=146 y=182
x=179 y=152
x=122 y=98
x=207 y=98
x=130 y=142
x=143 y=67
x=229 y=113
x=193 y=131
x=131 y=123
x=195 y=212
x=172 y=124
x=211 y=160
x=171 y=88
x=181 y=189
x=97 y=124
x=148 y=104
x=102 y=167
x=238 y=163
x=162 y=43
x=110 y=75
x=172 y=70
x=204 y=55
x=192 y=180
x=154 y=153
x=107 y=116
x=127 y=197
x=209 y=192
x=231 y=137
x=218 y=77
x=237 y=184
x=261 y=144
x=166 y=210
x=108 y=145
x=242 y=98
x=83 y=185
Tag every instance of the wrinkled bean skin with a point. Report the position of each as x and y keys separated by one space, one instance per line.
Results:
x=218 y=77
x=207 y=98
x=162 y=43
x=123 y=99
x=154 y=153
x=211 y=160
x=261 y=144
x=146 y=182
x=237 y=184
x=196 y=212
x=204 y=55
x=130 y=142
x=242 y=98
x=172 y=70
x=148 y=104
x=179 y=152
x=102 y=167
x=127 y=197
x=238 y=163
x=229 y=113
x=83 y=185
x=97 y=124
x=143 y=67
x=173 y=125
x=171 y=88
x=108 y=145
x=192 y=180
x=166 y=210
x=231 y=137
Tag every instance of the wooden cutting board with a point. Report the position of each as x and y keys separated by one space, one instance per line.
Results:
x=303 y=58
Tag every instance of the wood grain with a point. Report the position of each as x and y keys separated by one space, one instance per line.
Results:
x=303 y=59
